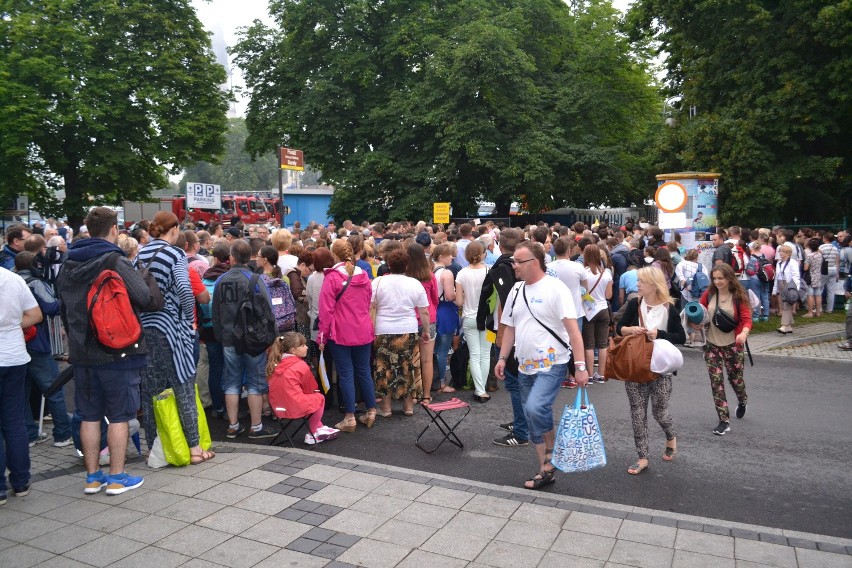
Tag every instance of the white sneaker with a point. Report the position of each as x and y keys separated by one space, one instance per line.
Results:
x=63 y=443
x=311 y=439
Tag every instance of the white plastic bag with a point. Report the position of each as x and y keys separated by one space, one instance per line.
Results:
x=157 y=457
x=666 y=358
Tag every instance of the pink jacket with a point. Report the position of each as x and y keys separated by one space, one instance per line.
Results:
x=346 y=322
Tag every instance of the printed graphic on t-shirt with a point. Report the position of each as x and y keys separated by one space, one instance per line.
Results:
x=543 y=360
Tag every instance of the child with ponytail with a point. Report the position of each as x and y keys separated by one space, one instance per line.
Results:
x=292 y=387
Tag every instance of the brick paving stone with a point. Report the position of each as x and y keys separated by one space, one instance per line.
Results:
x=313 y=519
x=305 y=545
x=765 y=553
x=647 y=533
x=403 y=533
x=375 y=553
x=275 y=531
x=319 y=534
x=643 y=555
x=105 y=550
x=423 y=559
x=704 y=543
x=344 y=540
x=830 y=547
x=584 y=545
x=818 y=559
x=239 y=553
x=685 y=559
x=286 y=557
x=714 y=529
x=592 y=524
x=801 y=543
x=291 y=514
x=306 y=505
x=506 y=555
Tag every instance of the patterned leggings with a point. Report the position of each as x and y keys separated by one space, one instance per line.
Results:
x=159 y=375
x=732 y=357
x=659 y=391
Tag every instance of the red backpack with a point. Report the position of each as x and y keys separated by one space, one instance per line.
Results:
x=739 y=260
x=112 y=319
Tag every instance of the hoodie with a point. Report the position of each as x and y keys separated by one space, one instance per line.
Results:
x=43 y=293
x=345 y=321
x=86 y=260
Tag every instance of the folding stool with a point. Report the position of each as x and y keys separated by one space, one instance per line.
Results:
x=435 y=410
x=288 y=433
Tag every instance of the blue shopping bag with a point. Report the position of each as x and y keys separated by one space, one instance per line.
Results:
x=579 y=445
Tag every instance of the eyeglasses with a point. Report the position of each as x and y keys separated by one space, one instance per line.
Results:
x=516 y=261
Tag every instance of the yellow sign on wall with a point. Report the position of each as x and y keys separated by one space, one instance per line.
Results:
x=441 y=212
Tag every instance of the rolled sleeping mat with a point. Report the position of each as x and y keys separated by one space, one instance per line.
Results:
x=695 y=312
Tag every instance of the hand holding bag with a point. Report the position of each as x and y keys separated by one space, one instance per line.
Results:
x=629 y=357
x=579 y=445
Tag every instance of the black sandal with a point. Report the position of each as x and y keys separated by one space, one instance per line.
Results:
x=543 y=478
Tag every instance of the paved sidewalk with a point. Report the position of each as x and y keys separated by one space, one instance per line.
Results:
x=261 y=506
x=811 y=341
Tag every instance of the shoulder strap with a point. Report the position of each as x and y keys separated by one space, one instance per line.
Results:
x=592 y=288
x=550 y=331
x=345 y=286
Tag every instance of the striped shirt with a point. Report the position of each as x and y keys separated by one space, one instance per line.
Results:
x=167 y=264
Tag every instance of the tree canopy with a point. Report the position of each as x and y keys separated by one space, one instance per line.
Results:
x=405 y=103
x=236 y=170
x=103 y=98
x=770 y=85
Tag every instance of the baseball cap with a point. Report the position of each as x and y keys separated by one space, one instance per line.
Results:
x=423 y=239
x=234 y=232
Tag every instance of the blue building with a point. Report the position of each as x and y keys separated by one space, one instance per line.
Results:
x=308 y=204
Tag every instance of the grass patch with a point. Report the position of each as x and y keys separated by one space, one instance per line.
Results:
x=837 y=316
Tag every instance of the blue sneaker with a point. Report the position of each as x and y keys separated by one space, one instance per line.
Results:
x=95 y=482
x=118 y=484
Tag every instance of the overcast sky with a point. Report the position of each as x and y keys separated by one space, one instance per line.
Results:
x=225 y=17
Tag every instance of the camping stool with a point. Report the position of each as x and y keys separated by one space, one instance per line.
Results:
x=435 y=410
x=289 y=432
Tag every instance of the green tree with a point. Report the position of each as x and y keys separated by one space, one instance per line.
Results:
x=405 y=103
x=103 y=98
x=236 y=170
x=769 y=82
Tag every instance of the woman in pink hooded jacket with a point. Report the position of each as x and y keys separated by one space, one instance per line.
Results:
x=345 y=326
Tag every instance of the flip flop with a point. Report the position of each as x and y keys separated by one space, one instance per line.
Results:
x=205 y=455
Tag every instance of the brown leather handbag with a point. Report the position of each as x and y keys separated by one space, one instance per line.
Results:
x=629 y=357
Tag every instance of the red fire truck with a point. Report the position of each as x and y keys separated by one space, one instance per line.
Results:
x=251 y=209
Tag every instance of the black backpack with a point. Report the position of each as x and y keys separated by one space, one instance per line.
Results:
x=254 y=328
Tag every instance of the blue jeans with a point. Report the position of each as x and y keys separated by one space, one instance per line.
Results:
x=352 y=363
x=238 y=366
x=442 y=348
x=13 y=427
x=537 y=395
x=519 y=424
x=41 y=371
x=761 y=290
x=216 y=363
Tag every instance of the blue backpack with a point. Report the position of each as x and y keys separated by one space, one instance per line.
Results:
x=700 y=282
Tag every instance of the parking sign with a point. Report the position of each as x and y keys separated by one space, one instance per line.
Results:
x=203 y=196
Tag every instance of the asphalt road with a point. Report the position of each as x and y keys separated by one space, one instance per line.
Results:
x=785 y=465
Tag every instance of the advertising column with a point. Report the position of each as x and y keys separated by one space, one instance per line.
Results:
x=699 y=214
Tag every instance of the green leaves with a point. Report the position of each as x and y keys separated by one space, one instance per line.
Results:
x=770 y=84
x=405 y=103
x=102 y=98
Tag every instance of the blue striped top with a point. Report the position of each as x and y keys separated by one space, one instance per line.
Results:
x=168 y=265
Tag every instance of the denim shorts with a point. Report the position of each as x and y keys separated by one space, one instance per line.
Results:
x=100 y=393
x=433 y=330
x=815 y=290
x=244 y=369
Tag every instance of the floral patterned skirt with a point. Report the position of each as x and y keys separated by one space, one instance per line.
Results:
x=397 y=365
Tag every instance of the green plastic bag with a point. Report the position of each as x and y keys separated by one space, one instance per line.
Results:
x=170 y=430
x=205 y=441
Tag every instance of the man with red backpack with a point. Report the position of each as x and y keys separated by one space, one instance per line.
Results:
x=106 y=379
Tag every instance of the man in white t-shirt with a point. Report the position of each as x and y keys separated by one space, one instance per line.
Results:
x=573 y=275
x=541 y=322
x=19 y=310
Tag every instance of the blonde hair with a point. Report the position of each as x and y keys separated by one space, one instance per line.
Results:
x=282 y=239
x=285 y=343
x=343 y=251
x=654 y=276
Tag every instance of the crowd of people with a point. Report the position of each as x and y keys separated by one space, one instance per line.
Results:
x=388 y=310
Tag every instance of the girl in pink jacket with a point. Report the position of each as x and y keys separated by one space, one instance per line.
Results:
x=292 y=388
x=346 y=328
